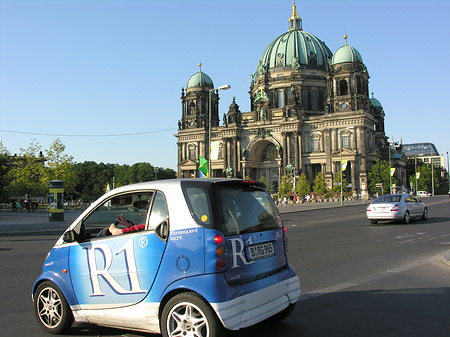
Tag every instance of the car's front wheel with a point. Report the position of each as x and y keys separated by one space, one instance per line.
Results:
x=51 y=309
x=187 y=314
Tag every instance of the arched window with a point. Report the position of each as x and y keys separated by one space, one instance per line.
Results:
x=343 y=88
x=269 y=153
x=192 y=108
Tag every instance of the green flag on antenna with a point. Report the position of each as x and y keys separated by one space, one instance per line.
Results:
x=203 y=168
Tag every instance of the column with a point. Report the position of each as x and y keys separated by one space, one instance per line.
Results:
x=353 y=177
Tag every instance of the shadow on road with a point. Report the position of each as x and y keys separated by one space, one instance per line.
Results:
x=400 y=312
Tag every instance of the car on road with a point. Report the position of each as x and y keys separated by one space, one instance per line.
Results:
x=210 y=255
x=423 y=194
x=396 y=207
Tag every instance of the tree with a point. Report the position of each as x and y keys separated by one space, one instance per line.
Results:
x=336 y=190
x=59 y=166
x=320 y=185
x=4 y=169
x=302 y=187
x=285 y=187
x=28 y=172
x=425 y=181
x=379 y=174
x=263 y=180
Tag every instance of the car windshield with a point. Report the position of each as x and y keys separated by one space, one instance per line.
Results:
x=388 y=198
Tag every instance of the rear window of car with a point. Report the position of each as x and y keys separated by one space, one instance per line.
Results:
x=246 y=209
x=238 y=208
x=388 y=198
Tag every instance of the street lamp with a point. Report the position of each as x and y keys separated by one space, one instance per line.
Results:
x=432 y=173
x=394 y=145
x=448 y=175
x=222 y=87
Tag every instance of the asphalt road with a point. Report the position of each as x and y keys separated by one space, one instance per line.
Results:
x=357 y=279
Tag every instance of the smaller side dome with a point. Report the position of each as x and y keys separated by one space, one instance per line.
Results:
x=346 y=54
x=200 y=80
x=375 y=103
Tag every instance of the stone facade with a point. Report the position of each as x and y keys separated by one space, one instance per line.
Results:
x=311 y=111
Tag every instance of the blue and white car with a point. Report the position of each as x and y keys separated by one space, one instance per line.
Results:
x=212 y=258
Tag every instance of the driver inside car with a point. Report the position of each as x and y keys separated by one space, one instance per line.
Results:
x=129 y=226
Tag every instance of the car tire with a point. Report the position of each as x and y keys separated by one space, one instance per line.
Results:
x=425 y=214
x=373 y=222
x=189 y=314
x=406 y=218
x=51 y=309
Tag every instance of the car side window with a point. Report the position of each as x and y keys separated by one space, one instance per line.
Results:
x=198 y=205
x=132 y=206
x=159 y=211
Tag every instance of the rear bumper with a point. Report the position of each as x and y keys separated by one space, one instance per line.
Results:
x=388 y=216
x=256 y=306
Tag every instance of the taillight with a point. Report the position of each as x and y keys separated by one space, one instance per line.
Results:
x=394 y=208
x=218 y=239
x=221 y=262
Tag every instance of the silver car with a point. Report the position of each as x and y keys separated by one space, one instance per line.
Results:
x=396 y=207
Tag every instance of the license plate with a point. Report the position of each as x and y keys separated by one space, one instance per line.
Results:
x=261 y=251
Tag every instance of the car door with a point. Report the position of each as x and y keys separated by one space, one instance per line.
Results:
x=412 y=205
x=114 y=271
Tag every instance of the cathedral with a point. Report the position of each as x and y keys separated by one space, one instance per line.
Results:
x=310 y=111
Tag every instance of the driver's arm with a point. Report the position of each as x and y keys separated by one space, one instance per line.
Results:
x=114 y=230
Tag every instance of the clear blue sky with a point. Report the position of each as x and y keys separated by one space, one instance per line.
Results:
x=72 y=69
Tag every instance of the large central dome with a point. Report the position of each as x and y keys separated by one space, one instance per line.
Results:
x=296 y=49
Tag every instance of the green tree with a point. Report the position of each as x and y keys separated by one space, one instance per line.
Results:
x=60 y=166
x=27 y=174
x=263 y=180
x=336 y=190
x=286 y=186
x=379 y=174
x=92 y=179
x=320 y=186
x=425 y=181
x=5 y=164
x=302 y=187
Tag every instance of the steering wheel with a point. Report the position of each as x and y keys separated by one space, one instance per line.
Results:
x=104 y=232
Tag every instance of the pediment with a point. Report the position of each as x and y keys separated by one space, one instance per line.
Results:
x=189 y=163
x=345 y=152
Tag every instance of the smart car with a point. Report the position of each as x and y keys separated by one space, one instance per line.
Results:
x=212 y=257
x=396 y=207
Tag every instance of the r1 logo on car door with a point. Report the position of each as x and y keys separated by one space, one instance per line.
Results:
x=115 y=272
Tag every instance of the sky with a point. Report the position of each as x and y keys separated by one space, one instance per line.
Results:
x=105 y=76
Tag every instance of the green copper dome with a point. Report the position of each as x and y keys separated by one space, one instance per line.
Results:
x=346 y=54
x=295 y=49
x=200 y=80
x=375 y=103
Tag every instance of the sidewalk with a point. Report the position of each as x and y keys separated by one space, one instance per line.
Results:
x=23 y=222
x=310 y=206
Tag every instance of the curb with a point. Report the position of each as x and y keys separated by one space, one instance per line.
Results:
x=446 y=258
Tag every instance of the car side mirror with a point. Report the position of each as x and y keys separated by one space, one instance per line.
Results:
x=70 y=236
